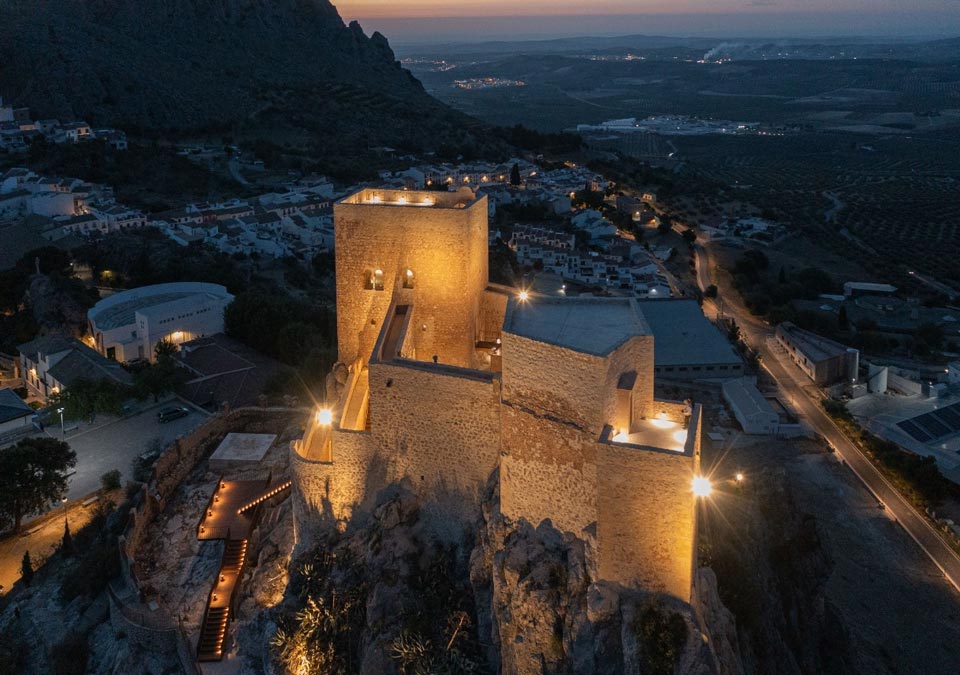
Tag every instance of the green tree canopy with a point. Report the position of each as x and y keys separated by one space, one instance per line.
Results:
x=33 y=474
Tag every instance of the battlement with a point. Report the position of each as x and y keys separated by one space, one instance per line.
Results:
x=464 y=198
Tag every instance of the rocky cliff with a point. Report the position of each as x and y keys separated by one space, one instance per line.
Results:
x=213 y=64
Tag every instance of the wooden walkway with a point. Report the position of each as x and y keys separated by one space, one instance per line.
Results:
x=230 y=515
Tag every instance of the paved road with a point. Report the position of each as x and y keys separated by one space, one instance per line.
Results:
x=115 y=444
x=794 y=385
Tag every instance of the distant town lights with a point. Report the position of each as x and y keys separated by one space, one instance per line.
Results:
x=325 y=417
x=701 y=486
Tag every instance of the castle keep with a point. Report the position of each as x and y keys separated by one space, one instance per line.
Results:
x=443 y=378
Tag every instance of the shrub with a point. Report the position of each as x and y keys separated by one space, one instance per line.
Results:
x=110 y=480
x=662 y=635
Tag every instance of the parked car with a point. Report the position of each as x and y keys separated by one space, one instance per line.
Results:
x=169 y=414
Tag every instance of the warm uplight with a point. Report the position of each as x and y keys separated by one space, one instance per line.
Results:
x=680 y=436
x=427 y=201
x=702 y=487
x=177 y=334
x=620 y=437
x=401 y=200
x=409 y=273
x=325 y=417
x=523 y=296
x=375 y=199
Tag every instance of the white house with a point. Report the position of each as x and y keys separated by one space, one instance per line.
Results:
x=128 y=325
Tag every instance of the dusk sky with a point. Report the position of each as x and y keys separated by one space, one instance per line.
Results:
x=403 y=20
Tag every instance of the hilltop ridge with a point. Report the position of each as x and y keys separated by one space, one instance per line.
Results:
x=276 y=69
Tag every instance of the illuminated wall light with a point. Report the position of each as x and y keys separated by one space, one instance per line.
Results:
x=523 y=296
x=325 y=417
x=701 y=486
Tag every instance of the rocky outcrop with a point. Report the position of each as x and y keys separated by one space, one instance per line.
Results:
x=771 y=571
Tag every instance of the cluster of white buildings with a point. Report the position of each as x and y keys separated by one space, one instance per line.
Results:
x=627 y=266
x=65 y=205
x=18 y=130
x=555 y=187
x=297 y=222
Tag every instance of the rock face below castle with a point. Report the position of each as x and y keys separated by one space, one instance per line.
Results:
x=444 y=379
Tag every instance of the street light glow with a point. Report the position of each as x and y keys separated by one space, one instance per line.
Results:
x=701 y=486
x=325 y=417
x=523 y=296
x=739 y=477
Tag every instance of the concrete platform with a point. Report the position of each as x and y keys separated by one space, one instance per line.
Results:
x=241 y=450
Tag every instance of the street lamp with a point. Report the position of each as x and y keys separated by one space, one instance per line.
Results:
x=523 y=295
x=63 y=429
x=64 y=500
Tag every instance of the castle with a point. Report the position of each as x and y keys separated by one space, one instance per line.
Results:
x=443 y=378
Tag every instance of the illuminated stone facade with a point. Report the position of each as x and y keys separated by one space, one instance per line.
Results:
x=445 y=378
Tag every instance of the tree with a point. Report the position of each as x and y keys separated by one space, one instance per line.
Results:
x=689 y=236
x=515 y=175
x=711 y=291
x=33 y=473
x=665 y=224
x=26 y=568
x=842 y=321
x=782 y=277
x=66 y=544
x=162 y=376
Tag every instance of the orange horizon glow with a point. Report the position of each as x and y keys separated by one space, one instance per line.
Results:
x=414 y=9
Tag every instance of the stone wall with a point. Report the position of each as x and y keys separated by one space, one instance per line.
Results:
x=547 y=470
x=333 y=491
x=445 y=248
x=436 y=426
x=646 y=519
x=638 y=499
x=554 y=381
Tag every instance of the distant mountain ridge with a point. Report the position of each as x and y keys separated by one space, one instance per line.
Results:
x=210 y=64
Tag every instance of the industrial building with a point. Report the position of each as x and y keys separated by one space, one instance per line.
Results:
x=754 y=412
x=824 y=361
x=686 y=345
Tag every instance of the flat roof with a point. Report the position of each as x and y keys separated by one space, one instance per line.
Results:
x=121 y=309
x=591 y=325
x=460 y=199
x=683 y=335
x=743 y=394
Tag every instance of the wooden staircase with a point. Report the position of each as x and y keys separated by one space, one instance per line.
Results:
x=212 y=633
x=233 y=505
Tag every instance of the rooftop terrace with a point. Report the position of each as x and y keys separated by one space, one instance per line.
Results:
x=461 y=199
x=591 y=325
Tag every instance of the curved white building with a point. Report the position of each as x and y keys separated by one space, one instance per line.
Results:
x=128 y=325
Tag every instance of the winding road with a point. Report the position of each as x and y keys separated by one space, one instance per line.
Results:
x=796 y=387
